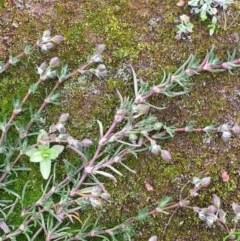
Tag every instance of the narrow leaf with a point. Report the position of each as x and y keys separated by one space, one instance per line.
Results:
x=106 y=174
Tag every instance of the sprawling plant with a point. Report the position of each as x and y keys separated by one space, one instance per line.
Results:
x=132 y=131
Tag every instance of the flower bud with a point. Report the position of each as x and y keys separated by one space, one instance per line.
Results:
x=166 y=155
x=216 y=201
x=101 y=71
x=236 y=209
x=54 y=62
x=47 y=46
x=153 y=238
x=205 y=181
x=100 y=48
x=57 y=39
x=41 y=68
x=236 y=129
x=46 y=33
x=96 y=58
x=46 y=36
x=63 y=118
x=86 y=142
x=155 y=149
x=226 y=135
x=222 y=216
x=105 y=196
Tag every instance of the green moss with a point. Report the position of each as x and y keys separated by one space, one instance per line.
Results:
x=124 y=27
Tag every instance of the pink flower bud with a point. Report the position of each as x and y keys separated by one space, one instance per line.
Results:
x=100 y=48
x=54 y=62
x=47 y=46
x=57 y=39
x=96 y=58
x=86 y=143
x=166 y=155
x=63 y=118
x=46 y=36
x=236 y=129
x=46 y=33
x=41 y=68
x=205 y=181
x=153 y=238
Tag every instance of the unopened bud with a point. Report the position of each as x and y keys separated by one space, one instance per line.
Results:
x=216 y=201
x=41 y=68
x=46 y=36
x=63 y=118
x=166 y=155
x=226 y=135
x=205 y=181
x=153 y=238
x=100 y=48
x=54 y=62
x=47 y=46
x=57 y=39
x=46 y=33
x=155 y=149
x=105 y=196
x=101 y=71
x=86 y=143
x=96 y=58
x=236 y=129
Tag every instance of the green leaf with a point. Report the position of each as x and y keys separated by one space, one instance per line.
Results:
x=163 y=203
x=52 y=153
x=45 y=168
x=43 y=147
x=211 y=31
x=37 y=157
x=31 y=152
x=58 y=148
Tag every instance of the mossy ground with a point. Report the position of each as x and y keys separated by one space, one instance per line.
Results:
x=124 y=26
